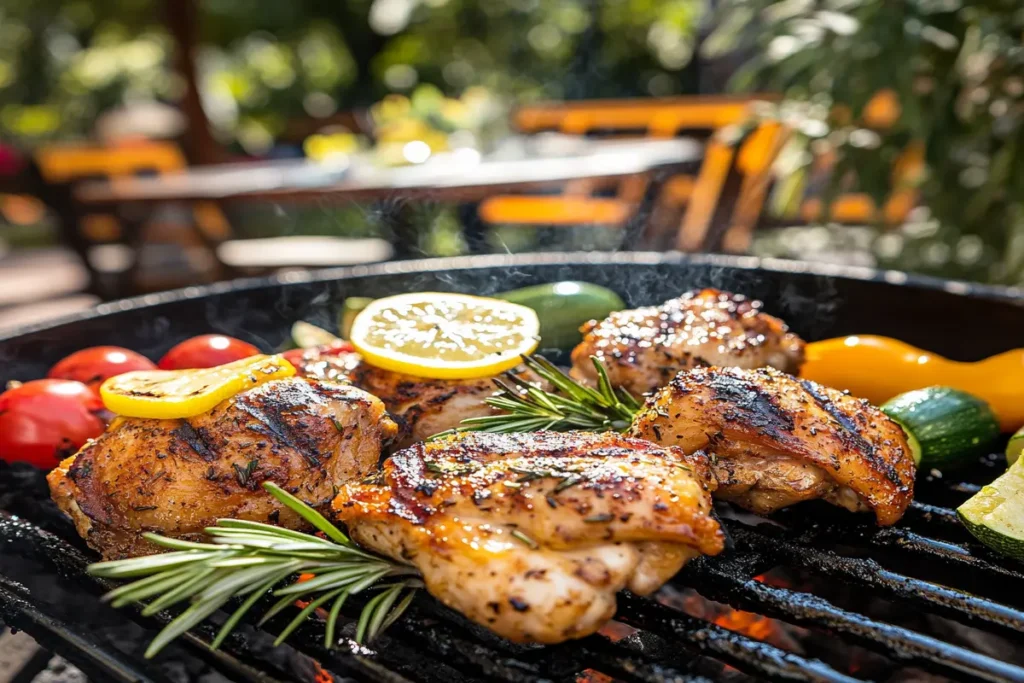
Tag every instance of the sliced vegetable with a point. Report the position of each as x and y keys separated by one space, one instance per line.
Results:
x=307 y=335
x=46 y=420
x=879 y=368
x=562 y=307
x=947 y=427
x=302 y=359
x=444 y=336
x=167 y=394
x=93 y=365
x=206 y=351
x=1015 y=446
x=995 y=515
x=351 y=307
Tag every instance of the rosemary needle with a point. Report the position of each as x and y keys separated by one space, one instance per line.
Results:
x=247 y=560
x=570 y=406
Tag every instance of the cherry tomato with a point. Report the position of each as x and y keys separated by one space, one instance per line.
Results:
x=299 y=357
x=93 y=365
x=206 y=351
x=45 y=420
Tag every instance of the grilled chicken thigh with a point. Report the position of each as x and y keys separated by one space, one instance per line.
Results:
x=175 y=477
x=533 y=534
x=423 y=407
x=779 y=440
x=642 y=349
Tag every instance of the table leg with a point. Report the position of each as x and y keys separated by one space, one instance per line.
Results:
x=474 y=229
x=134 y=219
x=398 y=218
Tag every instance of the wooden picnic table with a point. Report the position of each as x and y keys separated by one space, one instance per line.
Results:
x=519 y=164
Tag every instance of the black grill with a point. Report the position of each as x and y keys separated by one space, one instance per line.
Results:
x=920 y=601
x=927 y=565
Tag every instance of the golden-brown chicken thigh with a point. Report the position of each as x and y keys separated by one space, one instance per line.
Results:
x=642 y=349
x=175 y=477
x=533 y=534
x=423 y=407
x=779 y=440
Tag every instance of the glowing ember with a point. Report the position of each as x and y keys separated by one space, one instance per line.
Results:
x=756 y=626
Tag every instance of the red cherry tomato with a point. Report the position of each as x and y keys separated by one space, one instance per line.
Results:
x=45 y=420
x=300 y=357
x=206 y=351
x=93 y=365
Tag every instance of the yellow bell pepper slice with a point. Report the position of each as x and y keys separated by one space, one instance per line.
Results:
x=169 y=394
x=878 y=368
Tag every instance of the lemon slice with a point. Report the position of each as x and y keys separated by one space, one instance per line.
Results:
x=167 y=394
x=444 y=336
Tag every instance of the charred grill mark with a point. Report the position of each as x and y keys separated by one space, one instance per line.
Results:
x=196 y=440
x=850 y=434
x=271 y=415
x=750 y=404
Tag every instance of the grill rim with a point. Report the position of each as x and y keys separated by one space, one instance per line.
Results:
x=892 y=278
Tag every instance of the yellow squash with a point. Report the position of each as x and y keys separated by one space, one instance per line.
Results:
x=879 y=368
x=167 y=394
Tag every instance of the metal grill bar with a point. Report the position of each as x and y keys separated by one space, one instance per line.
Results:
x=19 y=537
x=453 y=657
x=619 y=660
x=97 y=660
x=739 y=651
x=932 y=597
x=718 y=581
x=969 y=566
x=744 y=653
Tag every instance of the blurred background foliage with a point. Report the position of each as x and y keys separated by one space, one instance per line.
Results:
x=955 y=69
x=263 y=63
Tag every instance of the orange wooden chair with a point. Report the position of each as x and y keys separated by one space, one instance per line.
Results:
x=665 y=117
x=62 y=165
x=729 y=195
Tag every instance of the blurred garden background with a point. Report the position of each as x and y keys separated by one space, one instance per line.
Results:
x=243 y=79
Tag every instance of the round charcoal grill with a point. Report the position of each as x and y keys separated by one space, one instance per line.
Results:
x=918 y=601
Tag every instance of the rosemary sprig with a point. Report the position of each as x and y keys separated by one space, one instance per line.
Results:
x=246 y=560
x=570 y=406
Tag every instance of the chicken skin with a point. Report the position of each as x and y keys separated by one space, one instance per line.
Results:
x=175 y=477
x=532 y=535
x=778 y=440
x=643 y=349
x=422 y=407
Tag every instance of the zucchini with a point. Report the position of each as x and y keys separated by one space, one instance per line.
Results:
x=307 y=335
x=995 y=515
x=946 y=427
x=563 y=307
x=1015 y=446
x=351 y=307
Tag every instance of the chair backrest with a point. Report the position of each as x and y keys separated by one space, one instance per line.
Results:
x=698 y=116
x=657 y=117
x=61 y=165
x=67 y=163
x=729 y=192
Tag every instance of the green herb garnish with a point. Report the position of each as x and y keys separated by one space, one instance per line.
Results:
x=570 y=406
x=248 y=559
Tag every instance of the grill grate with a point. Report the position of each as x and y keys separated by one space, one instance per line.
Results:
x=912 y=566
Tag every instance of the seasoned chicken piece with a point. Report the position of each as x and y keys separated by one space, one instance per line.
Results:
x=423 y=407
x=644 y=348
x=777 y=440
x=175 y=477
x=533 y=534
